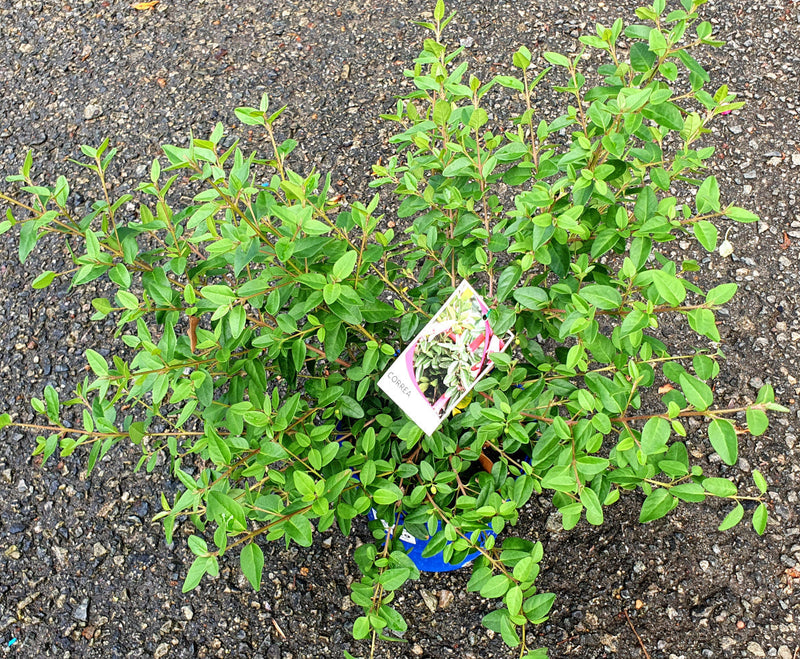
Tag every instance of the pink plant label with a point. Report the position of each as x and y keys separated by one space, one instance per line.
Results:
x=445 y=360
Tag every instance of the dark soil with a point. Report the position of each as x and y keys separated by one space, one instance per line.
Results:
x=83 y=571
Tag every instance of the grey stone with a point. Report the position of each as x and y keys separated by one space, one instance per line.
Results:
x=92 y=111
x=81 y=612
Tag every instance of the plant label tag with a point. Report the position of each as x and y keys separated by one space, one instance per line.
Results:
x=445 y=360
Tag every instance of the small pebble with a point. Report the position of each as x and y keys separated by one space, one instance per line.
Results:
x=92 y=111
x=81 y=612
x=187 y=612
x=553 y=523
x=445 y=598
x=430 y=600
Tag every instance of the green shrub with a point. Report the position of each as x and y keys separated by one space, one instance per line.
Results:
x=261 y=316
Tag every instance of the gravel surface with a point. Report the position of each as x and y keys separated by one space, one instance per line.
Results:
x=83 y=571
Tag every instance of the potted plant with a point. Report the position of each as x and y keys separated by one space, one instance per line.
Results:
x=261 y=318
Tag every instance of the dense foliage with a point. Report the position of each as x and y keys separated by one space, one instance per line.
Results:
x=260 y=317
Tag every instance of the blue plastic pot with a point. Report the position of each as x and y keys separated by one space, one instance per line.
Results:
x=435 y=563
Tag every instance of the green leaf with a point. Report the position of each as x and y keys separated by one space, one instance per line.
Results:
x=557 y=58
x=351 y=408
x=664 y=114
x=461 y=166
x=669 y=287
x=589 y=466
x=641 y=56
x=522 y=58
x=199 y=567
x=537 y=607
x=44 y=279
x=721 y=294
x=657 y=504
x=197 y=545
x=655 y=434
x=388 y=494
x=218 y=294
x=660 y=177
x=28 y=235
x=646 y=205
x=393 y=619
x=252 y=561
x=331 y=292
x=766 y=394
x=594 y=511
x=299 y=349
x=740 y=214
x=758 y=479
x=5 y=420
x=720 y=487
x=723 y=438
x=51 y=398
x=706 y=233
x=526 y=569
x=127 y=300
x=513 y=600
x=703 y=322
x=250 y=116
x=708 y=196
x=97 y=362
x=304 y=483
x=605 y=240
x=732 y=518
x=760 y=519
x=497 y=586
x=361 y=628
x=705 y=367
x=691 y=492
x=531 y=297
x=690 y=63
x=757 y=421
x=218 y=450
x=602 y=297
x=344 y=265
x=394 y=578
x=299 y=529
x=221 y=506
x=697 y=393
x=120 y=276
x=236 y=321
x=560 y=478
x=508 y=630
x=633 y=322
x=509 y=278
